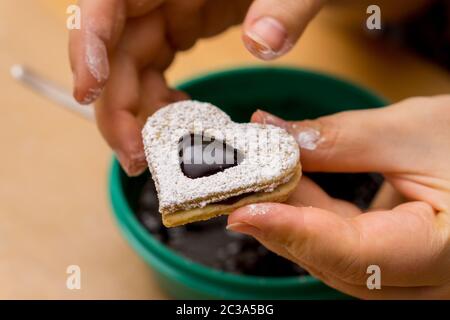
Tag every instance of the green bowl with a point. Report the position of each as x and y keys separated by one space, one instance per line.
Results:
x=287 y=92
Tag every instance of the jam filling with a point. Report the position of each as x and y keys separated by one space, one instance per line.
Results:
x=234 y=199
x=202 y=156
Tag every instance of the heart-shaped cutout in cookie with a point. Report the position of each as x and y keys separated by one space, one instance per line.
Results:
x=204 y=164
x=202 y=156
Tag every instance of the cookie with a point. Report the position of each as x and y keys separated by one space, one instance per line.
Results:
x=205 y=165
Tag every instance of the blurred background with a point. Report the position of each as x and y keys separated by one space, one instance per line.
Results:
x=54 y=209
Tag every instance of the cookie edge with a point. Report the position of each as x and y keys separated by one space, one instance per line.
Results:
x=280 y=194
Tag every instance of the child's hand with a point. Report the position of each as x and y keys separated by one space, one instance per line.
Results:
x=124 y=47
x=409 y=142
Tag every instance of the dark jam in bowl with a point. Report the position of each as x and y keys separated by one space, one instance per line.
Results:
x=209 y=243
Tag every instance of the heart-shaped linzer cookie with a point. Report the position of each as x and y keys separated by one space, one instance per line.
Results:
x=205 y=165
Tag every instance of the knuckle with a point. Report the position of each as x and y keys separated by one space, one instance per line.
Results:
x=350 y=269
x=434 y=108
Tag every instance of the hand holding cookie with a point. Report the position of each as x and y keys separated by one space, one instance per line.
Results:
x=409 y=143
x=205 y=165
x=124 y=46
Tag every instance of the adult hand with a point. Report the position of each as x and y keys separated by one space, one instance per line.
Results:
x=124 y=47
x=409 y=142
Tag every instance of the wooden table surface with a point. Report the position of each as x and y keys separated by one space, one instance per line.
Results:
x=54 y=210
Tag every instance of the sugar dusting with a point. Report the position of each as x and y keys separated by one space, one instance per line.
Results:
x=96 y=57
x=267 y=163
x=258 y=209
x=92 y=95
x=308 y=138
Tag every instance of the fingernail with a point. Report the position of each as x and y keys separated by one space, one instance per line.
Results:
x=236 y=226
x=257 y=117
x=268 y=118
x=92 y=95
x=267 y=38
x=245 y=228
x=133 y=165
x=307 y=137
x=96 y=57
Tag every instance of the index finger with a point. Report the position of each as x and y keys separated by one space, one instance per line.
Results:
x=102 y=23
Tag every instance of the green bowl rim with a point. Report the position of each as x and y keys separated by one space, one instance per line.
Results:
x=130 y=225
x=378 y=99
x=119 y=203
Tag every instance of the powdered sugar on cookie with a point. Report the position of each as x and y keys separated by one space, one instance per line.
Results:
x=270 y=155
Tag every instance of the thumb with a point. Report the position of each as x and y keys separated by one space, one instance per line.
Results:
x=338 y=250
x=272 y=27
x=352 y=141
x=314 y=238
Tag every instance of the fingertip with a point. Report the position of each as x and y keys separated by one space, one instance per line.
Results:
x=266 y=38
x=272 y=27
x=178 y=95
x=133 y=164
x=257 y=117
x=86 y=88
x=264 y=117
x=90 y=66
x=87 y=96
x=91 y=69
x=136 y=170
x=77 y=93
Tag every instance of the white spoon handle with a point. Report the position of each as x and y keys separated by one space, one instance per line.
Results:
x=51 y=90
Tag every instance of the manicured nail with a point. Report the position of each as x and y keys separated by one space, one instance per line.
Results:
x=267 y=38
x=236 y=226
x=96 y=57
x=268 y=118
x=257 y=116
x=133 y=165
